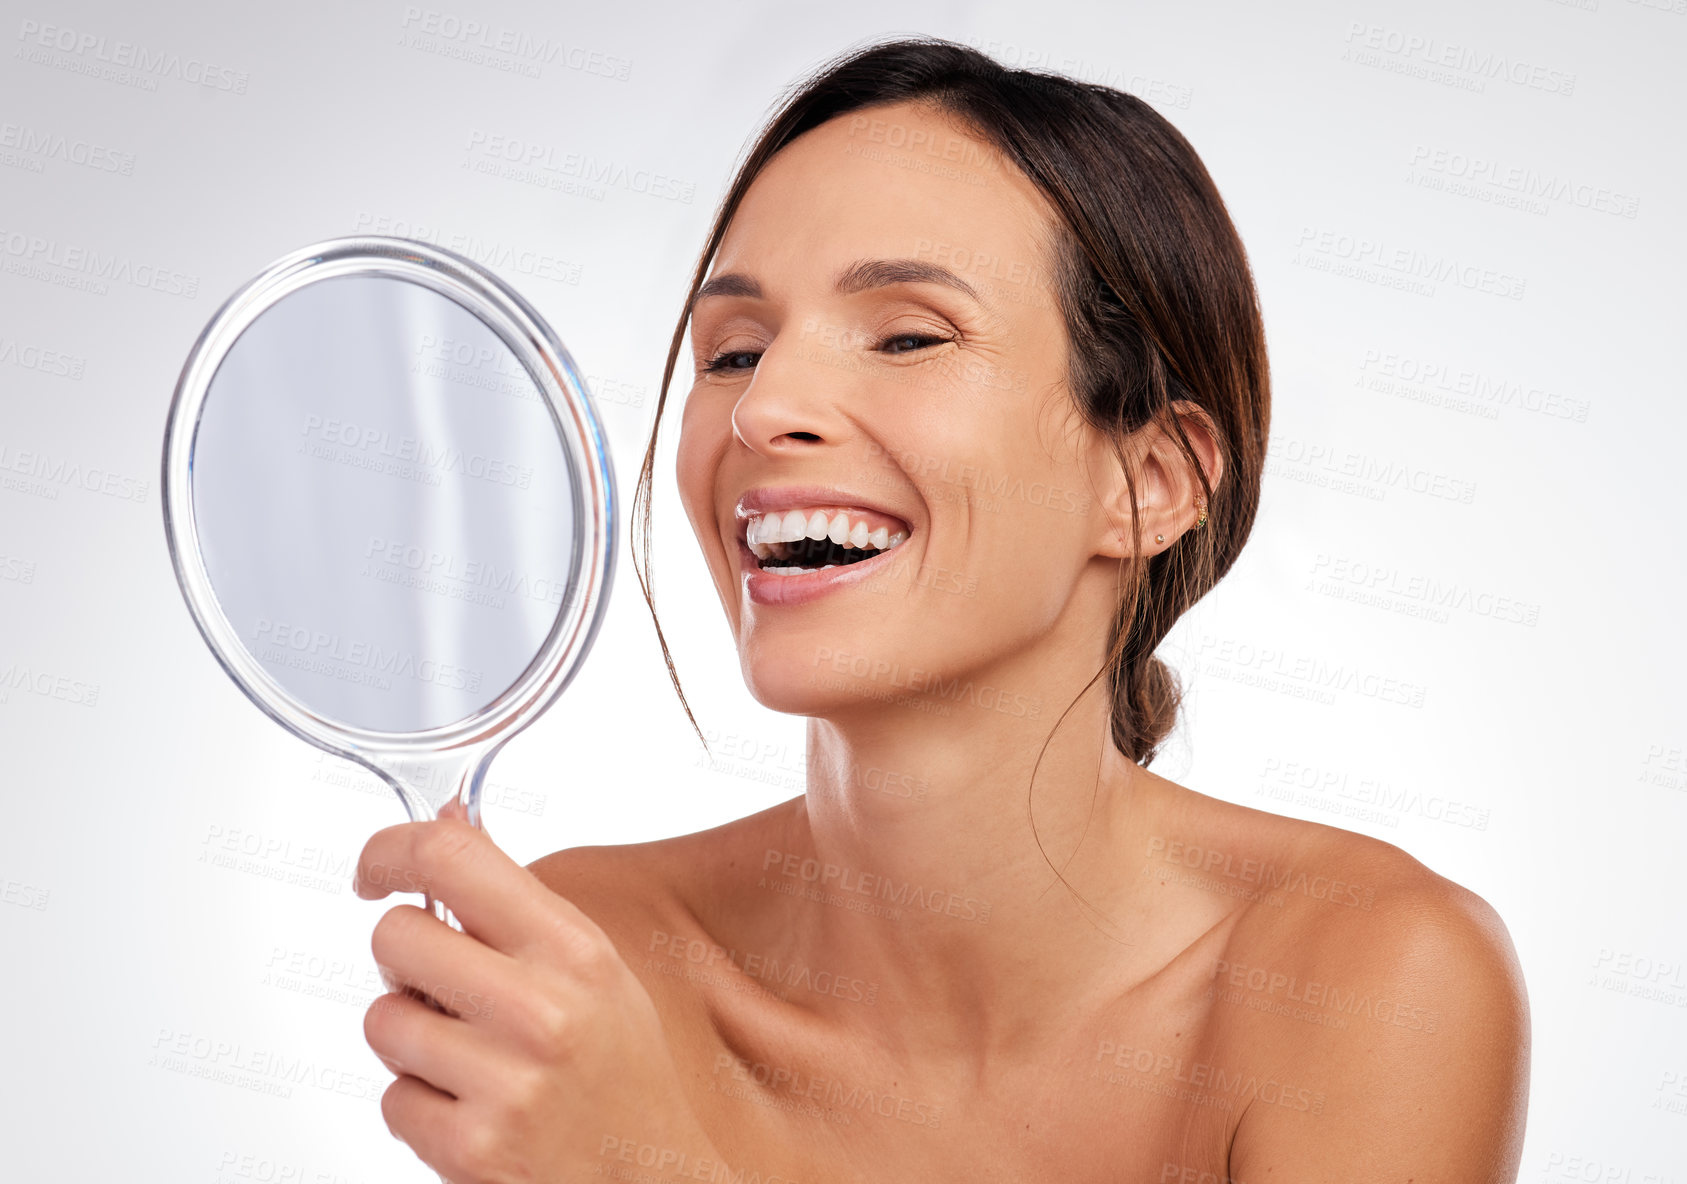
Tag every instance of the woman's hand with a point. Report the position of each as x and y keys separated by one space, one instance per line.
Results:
x=549 y=1056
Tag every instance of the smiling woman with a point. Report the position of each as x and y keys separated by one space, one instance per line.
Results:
x=1089 y=227
x=978 y=410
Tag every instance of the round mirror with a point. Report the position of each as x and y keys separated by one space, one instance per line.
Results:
x=390 y=506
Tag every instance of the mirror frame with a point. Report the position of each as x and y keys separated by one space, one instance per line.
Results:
x=468 y=743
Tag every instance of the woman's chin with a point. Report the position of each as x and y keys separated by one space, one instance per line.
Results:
x=812 y=679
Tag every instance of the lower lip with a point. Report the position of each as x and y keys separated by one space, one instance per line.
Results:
x=764 y=588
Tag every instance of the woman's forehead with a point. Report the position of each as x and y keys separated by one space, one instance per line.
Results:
x=841 y=192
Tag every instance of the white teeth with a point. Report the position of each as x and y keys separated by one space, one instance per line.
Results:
x=796 y=525
x=770 y=536
x=797 y=571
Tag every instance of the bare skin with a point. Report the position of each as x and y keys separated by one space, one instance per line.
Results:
x=884 y=979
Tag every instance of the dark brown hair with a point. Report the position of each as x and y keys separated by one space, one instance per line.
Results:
x=1150 y=277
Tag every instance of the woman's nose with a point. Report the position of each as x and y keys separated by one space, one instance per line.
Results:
x=790 y=403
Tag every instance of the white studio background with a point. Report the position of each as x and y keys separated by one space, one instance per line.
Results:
x=1466 y=222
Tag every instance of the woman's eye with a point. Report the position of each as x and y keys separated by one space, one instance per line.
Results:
x=729 y=360
x=902 y=343
x=912 y=341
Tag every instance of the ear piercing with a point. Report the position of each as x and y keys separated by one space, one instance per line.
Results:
x=1199 y=522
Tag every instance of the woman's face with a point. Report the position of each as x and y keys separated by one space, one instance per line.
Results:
x=841 y=367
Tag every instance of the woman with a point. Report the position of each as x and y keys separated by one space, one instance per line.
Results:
x=979 y=408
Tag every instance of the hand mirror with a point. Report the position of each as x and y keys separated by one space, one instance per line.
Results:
x=390 y=506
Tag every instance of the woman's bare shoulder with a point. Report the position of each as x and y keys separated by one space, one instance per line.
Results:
x=1390 y=994
x=1341 y=894
x=1323 y=899
x=1285 y=862
x=663 y=881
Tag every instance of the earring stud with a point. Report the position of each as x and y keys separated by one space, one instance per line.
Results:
x=1159 y=538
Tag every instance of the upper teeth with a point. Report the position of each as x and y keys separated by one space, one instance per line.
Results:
x=795 y=525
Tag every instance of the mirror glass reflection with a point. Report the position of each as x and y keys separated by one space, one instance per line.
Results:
x=384 y=504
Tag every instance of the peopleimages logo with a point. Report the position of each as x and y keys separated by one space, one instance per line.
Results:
x=1319 y=463
x=838 y=1095
x=945 y=470
x=41 y=361
x=786 y=974
x=329 y=653
x=51 y=473
x=1525 y=183
x=855 y=882
x=433 y=565
x=126 y=56
x=1266 y=873
x=514 y=50
x=258 y=1069
x=31 y=255
x=1437 y=60
x=1207 y=1083
x=886 y=673
x=1408 y=264
x=1436 y=381
x=380 y=443
x=519 y=159
x=20 y=676
x=39 y=146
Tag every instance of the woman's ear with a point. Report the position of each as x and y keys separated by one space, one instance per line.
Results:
x=1202 y=434
x=1168 y=491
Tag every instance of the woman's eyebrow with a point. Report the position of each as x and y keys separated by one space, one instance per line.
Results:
x=880 y=273
x=857 y=277
x=731 y=284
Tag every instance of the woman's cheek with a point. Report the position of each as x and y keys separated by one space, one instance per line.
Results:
x=697 y=470
x=691 y=464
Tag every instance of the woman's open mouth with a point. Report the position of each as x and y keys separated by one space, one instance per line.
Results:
x=812 y=547
x=793 y=542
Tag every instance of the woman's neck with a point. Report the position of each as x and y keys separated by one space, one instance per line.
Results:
x=917 y=829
